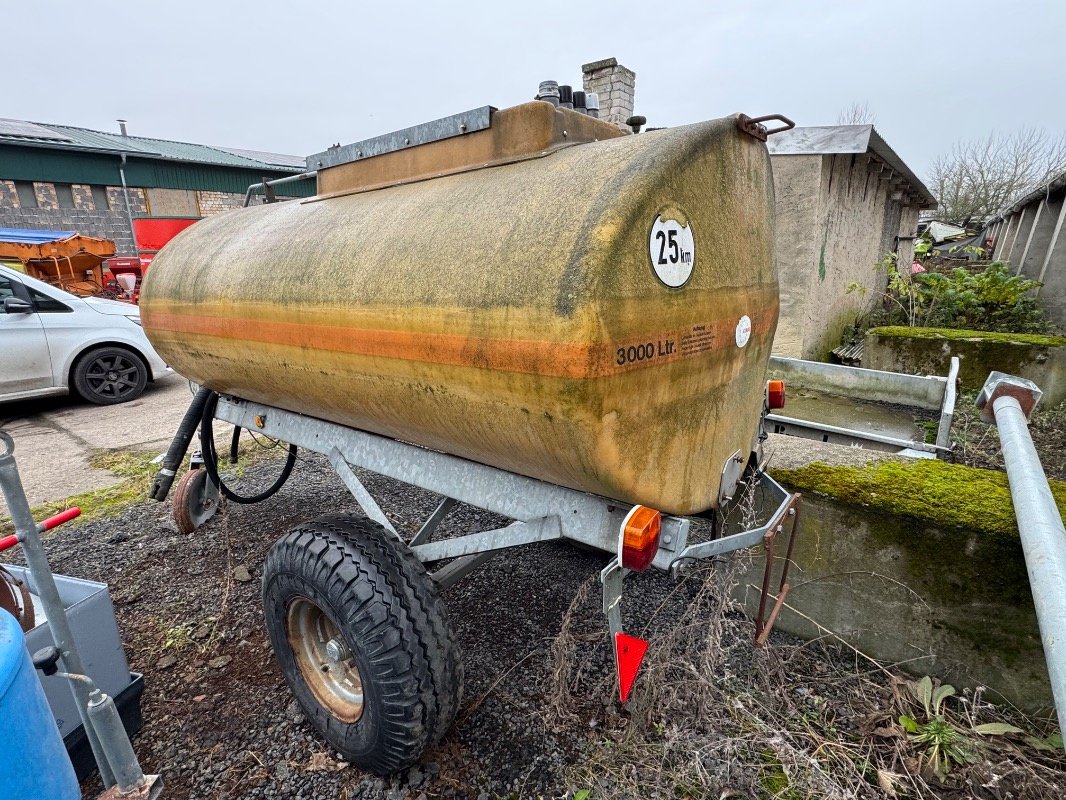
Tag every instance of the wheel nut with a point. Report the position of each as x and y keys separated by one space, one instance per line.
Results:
x=337 y=651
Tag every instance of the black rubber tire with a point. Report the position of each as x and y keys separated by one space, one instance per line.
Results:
x=378 y=595
x=92 y=376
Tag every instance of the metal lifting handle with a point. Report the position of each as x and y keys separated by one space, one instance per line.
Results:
x=1008 y=401
x=753 y=125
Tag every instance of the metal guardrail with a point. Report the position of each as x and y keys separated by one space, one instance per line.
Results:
x=931 y=393
x=1008 y=401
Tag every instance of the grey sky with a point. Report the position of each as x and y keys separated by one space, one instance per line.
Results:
x=296 y=77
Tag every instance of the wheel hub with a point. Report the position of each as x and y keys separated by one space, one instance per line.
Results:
x=325 y=661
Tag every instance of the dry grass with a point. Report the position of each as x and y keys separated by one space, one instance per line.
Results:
x=713 y=717
x=977 y=443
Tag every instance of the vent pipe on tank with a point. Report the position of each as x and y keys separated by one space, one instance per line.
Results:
x=566 y=96
x=592 y=104
x=549 y=92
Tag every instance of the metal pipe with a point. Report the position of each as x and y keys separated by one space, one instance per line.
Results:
x=33 y=548
x=129 y=211
x=129 y=777
x=303 y=176
x=1043 y=538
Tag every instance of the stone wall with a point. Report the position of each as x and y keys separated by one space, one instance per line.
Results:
x=108 y=219
x=108 y=224
x=217 y=202
x=616 y=87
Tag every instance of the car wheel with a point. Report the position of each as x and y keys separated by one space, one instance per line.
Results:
x=109 y=375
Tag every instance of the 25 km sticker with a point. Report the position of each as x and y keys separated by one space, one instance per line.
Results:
x=672 y=251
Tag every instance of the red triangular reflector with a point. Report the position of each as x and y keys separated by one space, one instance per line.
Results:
x=628 y=652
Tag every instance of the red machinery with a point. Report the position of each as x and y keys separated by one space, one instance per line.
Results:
x=151 y=234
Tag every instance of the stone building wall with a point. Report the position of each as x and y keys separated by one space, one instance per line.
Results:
x=217 y=202
x=108 y=224
x=87 y=217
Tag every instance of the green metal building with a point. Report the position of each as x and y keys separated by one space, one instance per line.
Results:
x=61 y=177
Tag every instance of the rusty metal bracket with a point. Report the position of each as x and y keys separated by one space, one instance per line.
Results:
x=764 y=624
x=753 y=127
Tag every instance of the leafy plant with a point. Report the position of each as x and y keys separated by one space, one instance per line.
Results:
x=943 y=743
x=991 y=300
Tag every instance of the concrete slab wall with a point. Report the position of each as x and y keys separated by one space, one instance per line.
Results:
x=797 y=183
x=1020 y=235
x=837 y=216
x=1040 y=238
x=1033 y=241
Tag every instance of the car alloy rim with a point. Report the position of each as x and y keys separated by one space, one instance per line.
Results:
x=112 y=376
x=325 y=661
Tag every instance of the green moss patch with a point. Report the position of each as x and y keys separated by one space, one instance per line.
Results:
x=945 y=495
x=902 y=331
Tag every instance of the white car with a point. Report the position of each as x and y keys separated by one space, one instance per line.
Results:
x=52 y=342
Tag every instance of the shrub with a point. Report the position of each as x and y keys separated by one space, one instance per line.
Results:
x=991 y=300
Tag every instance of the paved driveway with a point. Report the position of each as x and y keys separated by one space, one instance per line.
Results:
x=55 y=436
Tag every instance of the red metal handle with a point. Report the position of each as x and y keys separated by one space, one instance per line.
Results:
x=8 y=542
x=60 y=518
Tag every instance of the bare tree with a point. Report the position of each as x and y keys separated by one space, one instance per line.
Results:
x=981 y=176
x=857 y=114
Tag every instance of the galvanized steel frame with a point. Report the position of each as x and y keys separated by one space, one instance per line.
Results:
x=543 y=511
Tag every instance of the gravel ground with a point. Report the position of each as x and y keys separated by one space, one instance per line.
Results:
x=219 y=719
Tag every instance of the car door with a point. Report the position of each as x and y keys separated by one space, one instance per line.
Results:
x=24 y=361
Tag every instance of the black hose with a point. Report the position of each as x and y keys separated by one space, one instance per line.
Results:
x=179 y=446
x=210 y=455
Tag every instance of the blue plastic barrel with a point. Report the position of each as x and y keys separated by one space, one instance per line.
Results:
x=33 y=762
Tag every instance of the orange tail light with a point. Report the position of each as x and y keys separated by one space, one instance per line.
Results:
x=640 y=537
x=775 y=394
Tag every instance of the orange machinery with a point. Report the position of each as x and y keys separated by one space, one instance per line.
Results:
x=62 y=258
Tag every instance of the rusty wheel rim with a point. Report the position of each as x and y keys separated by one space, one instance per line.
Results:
x=325 y=660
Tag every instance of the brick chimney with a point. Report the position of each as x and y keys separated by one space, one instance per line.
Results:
x=615 y=86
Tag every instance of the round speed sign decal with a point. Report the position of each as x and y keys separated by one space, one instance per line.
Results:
x=672 y=250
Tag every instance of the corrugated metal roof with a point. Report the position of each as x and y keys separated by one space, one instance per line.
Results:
x=843 y=139
x=27 y=130
x=1057 y=182
x=268 y=158
x=68 y=137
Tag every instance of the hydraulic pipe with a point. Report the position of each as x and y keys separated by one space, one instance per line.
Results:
x=179 y=446
x=1039 y=524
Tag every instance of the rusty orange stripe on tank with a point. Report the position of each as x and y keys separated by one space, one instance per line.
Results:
x=555 y=359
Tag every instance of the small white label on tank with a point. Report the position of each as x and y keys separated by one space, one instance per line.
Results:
x=672 y=251
x=743 y=331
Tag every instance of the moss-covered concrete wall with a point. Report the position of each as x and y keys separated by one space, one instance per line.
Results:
x=917 y=563
x=928 y=351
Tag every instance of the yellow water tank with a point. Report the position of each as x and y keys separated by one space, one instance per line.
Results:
x=545 y=295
